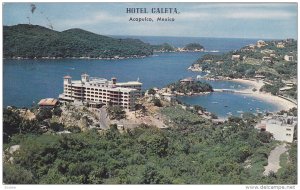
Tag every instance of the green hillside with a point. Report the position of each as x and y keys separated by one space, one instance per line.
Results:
x=29 y=41
x=165 y=47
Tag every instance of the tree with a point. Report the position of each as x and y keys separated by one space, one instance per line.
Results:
x=151 y=175
x=144 y=110
x=265 y=136
x=44 y=114
x=57 y=111
x=56 y=126
x=74 y=129
x=14 y=174
x=116 y=112
x=155 y=143
x=157 y=102
x=30 y=126
x=213 y=116
x=11 y=124
x=199 y=108
x=151 y=91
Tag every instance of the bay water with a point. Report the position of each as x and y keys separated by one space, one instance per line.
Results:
x=25 y=82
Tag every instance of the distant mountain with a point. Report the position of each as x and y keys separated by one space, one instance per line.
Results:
x=30 y=41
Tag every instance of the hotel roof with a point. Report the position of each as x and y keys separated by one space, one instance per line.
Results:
x=129 y=83
x=48 y=102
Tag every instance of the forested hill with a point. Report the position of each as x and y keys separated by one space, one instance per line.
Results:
x=30 y=41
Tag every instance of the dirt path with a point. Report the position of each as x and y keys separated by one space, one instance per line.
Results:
x=273 y=160
x=103 y=118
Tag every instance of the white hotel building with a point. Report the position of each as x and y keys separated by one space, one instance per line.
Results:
x=98 y=91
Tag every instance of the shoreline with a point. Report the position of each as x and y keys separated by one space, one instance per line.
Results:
x=78 y=58
x=281 y=103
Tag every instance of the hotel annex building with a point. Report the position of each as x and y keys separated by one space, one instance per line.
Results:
x=98 y=91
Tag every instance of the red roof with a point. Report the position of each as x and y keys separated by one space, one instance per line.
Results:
x=48 y=102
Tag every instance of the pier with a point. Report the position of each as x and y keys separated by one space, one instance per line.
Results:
x=231 y=91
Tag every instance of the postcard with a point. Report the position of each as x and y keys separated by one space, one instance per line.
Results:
x=150 y=93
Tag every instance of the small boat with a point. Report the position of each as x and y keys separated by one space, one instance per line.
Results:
x=215 y=102
x=198 y=77
x=240 y=111
x=225 y=106
x=229 y=113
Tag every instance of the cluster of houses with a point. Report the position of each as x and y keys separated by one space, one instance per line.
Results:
x=289 y=84
x=269 y=54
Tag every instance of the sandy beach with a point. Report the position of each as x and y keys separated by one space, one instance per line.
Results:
x=281 y=103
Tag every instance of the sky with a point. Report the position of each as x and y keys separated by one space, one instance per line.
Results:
x=230 y=20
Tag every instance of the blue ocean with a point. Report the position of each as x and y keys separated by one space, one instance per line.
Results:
x=25 y=82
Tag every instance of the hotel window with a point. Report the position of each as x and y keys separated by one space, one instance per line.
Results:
x=288 y=129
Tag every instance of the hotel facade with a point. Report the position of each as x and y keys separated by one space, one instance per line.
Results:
x=99 y=91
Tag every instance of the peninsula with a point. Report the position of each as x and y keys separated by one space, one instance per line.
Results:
x=24 y=41
x=269 y=68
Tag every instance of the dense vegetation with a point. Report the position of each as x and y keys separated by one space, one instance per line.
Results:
x=165 y=47
x=193 y=47
x=192 y=87
x=30 y=41
x=192 y=151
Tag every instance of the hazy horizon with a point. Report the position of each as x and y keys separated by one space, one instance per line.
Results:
x=218 y=20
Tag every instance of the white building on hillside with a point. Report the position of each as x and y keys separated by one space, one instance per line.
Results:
x=288 y=58
x=98 y=91
x=281 y=126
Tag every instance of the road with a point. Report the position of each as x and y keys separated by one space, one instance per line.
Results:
x=274 y=159
x=103 y=118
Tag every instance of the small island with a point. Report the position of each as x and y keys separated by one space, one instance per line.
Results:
x=193 y=47
x=165 y=47
x=189 y=86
